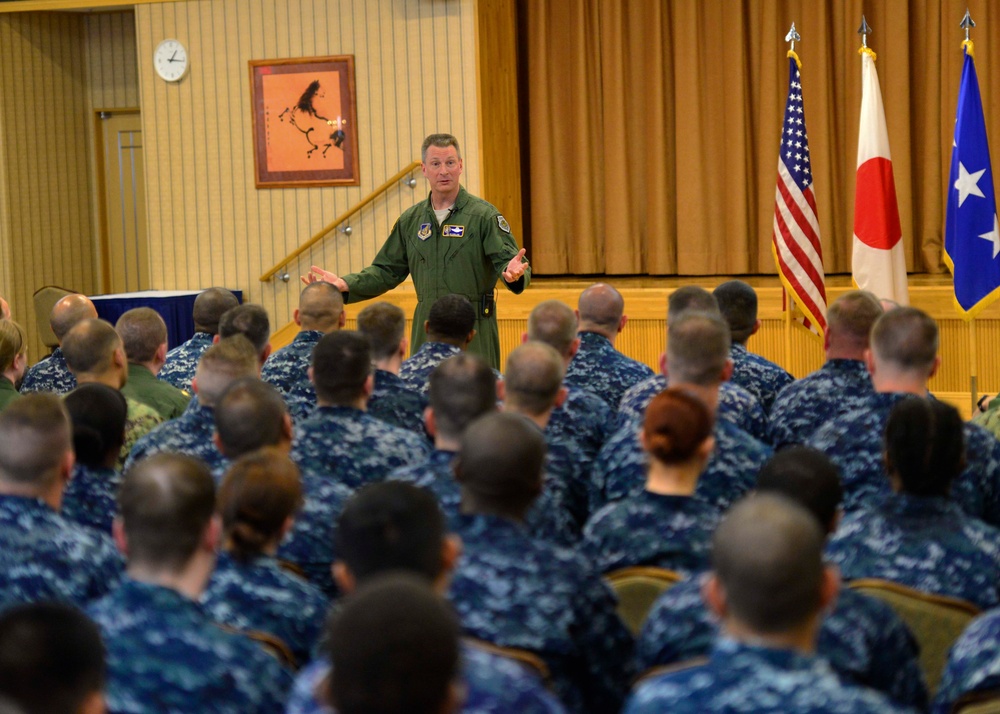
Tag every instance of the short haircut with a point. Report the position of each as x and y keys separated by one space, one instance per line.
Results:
x=697 y=348
x=601 y=305
x=554 y=323
x=97 y=413
x=533 y=376
x=13 y=342
x=806 y=476
x=384 y=324
x=68 y=312
x=851 y=316
x=907 y=338
x=451 y=317
x=166 y=502
x=34 y=439
x=258 y=494
x=223 y=363
x=209 y=307
x=248 y=320
x=51 y=658
x=142 y=331
x=320 y=306
x=89 y=347
x=393 y=649
x=676 y=424
x=690 y=298
x=925 y=445
x=391 y=525
x=249 y=414
x=501 y=463
x=738 y=305
x=767 y=554
x=461 y=389
x=442 y=141
x=341 y=364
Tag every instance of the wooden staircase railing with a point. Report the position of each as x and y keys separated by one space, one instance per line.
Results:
x=409 y=168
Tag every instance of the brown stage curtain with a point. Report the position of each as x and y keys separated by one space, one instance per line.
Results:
x=653 y=125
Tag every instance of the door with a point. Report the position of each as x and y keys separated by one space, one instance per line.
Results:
x=125 y=251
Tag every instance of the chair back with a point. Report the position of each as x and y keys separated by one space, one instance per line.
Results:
x=637 y=588
x=935 y=620
x=526 y=658
x=654 y=672
x=986 y=702
x=45 y=298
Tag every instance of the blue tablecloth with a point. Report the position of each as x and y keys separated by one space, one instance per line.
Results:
x=175 y=307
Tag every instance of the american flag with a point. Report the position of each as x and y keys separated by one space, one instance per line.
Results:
x=795 y=240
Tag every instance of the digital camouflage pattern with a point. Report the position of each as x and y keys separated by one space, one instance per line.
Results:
x=760 y=376
x=91 y=497
x=43 y=556
x=165 y=656
x=287 y=370
x=925 y=543
x=838 y=387
x=395 y=403
x=862 y=638
x=190 y=434
x=583 y=418
x=416 y=369
x=973 y=663
x=602 y=370
x=49 y=375
x=182 y=361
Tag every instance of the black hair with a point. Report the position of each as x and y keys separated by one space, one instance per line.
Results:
x=806 y=476
x=924 y=446
x=451 y=317
x=341 y=363
x=98 y=413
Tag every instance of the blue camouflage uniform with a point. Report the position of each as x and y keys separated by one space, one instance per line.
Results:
x=395 y=403
x=736 y=405
x=926 y=543
x=854 y=442
x=49 y=375
x=353 y=448
x=182 y=361
x=548 y=518
x=751 y=678
x=758 y=375
x=731 y=471
x=166 y=656
x=838 y=387
x=583 y=418
x=260 y=595
x=672 y=532
x=287 y=370
x=495 y=685
x=310 y=544
x=90 y=498
x=863 y=639
x=512 y=590
x=973 y=663
x=416 y=370
x=190 y=434
x=43 y=556
x=602 y=370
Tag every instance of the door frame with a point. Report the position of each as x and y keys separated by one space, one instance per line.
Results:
x=102 y=192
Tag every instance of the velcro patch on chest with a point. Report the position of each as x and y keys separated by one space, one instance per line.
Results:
x=453 y=231
x=425 y=231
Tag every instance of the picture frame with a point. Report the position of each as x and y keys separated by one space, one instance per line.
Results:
x=305 y=122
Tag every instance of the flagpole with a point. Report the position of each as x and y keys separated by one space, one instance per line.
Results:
x=788 y=327
x=973 y=365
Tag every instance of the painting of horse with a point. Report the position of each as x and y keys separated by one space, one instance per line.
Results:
x=320 y=131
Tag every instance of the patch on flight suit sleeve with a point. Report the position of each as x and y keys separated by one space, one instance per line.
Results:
x=504 y=225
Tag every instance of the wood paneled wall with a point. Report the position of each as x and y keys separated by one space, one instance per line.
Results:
x=415 y=64
x=112 y=64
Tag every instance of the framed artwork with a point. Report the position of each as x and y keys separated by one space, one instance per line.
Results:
x=305 y=122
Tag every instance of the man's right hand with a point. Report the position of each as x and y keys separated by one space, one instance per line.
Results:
x=317 y=274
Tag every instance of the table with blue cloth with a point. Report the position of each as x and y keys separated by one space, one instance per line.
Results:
x=176 y=307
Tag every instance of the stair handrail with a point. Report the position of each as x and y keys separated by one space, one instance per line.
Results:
x=409 y=168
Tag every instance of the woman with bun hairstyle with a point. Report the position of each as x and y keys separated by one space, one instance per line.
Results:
x=249 y=590
x=918 y=536
x=665 y=525
x=13 y=360
x=98 y=414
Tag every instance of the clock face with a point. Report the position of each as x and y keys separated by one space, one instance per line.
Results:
x=170 y=60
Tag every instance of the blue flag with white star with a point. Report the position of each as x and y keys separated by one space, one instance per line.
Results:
x=971 y=234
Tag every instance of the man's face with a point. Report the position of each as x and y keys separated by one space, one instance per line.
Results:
x=442 y=168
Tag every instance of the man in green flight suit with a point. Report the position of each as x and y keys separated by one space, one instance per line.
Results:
x=453 y=242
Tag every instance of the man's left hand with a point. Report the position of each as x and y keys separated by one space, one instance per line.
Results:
x=515 y=268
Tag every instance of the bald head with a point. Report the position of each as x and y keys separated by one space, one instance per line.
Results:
x=500 y=465
x=35 y=442
x=767 y=555
x=555 y=324
x=92 y=349
x=690 y=298
x=209 y=306
x=321 y=307
x=601 y=308
x=70 y=311
x=849 y=322
x=697 y=349
x=221 y=365
x=905 y=340
x=533 y=377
